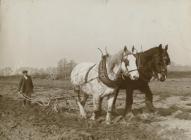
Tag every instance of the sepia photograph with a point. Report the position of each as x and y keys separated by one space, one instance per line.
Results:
x=95 y=70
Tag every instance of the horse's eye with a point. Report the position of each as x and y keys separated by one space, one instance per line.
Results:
x=126 y=63
x=165 y=61
x=159 y=63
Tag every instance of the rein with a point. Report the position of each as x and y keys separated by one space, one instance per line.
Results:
x=86 y=77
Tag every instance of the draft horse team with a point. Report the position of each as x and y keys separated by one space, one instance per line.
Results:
x=127 y=70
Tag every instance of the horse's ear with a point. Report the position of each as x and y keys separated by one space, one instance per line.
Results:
x=125 y=48
x=160 y=46
x=134 y=50
x=166 y=47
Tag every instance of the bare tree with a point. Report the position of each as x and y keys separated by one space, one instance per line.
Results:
x=52 y=73
x=7 y=71
x=64 y=68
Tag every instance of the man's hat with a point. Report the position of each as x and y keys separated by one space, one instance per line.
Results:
x=25 y=71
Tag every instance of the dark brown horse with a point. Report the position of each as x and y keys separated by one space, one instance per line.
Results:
x=152 y=62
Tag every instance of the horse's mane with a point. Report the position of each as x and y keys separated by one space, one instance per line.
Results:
x=146 y=60
x=115 y=59
x=150 y=52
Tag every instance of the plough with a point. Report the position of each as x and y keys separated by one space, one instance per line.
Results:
x=49 y=101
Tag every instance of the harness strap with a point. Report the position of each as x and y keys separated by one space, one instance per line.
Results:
x=86 y=77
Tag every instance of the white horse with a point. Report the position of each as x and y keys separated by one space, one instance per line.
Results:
x=85 y=78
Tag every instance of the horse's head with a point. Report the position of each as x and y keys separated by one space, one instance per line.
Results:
x=165 y=56
x=161 y=60
x=165 y=60
x=129 y=66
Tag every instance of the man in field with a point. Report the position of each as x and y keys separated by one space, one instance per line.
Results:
x=26 y=86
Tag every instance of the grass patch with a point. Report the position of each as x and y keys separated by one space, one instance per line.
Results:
x=183 y=116
x=179 y=74
x=167 y=111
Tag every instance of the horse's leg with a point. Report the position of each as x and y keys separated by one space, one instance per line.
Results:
x=109 y=108
x=148 y=98
x=128 y=104
x=81 y=107
x=96 y=105
x=100 y=104
x=84 y=99
x=116 y=92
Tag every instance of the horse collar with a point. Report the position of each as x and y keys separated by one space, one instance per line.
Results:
x=103 y=75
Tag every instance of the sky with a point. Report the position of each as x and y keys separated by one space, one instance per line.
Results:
x=38 y=33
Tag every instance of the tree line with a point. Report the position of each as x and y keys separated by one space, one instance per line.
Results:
x=61 y=71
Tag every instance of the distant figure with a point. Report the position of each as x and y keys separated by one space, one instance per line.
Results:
x=26 y=86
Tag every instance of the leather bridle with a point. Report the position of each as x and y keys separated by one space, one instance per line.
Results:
x=124 y=60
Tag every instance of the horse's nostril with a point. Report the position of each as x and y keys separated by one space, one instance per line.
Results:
x=135 y=77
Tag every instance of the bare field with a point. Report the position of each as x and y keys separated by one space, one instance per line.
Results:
x=61 y=121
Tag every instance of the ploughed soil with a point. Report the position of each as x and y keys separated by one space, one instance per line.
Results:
x=61 y=121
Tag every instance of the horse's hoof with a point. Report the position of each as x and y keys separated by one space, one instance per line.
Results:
x=100 y=120
x=150 y=109
x=118 y=119
x=123 y=121
x=145 y=116
x=116 y=112
x=129 y=116
x=108 y=122
x=84 y=116
x=92 y=118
